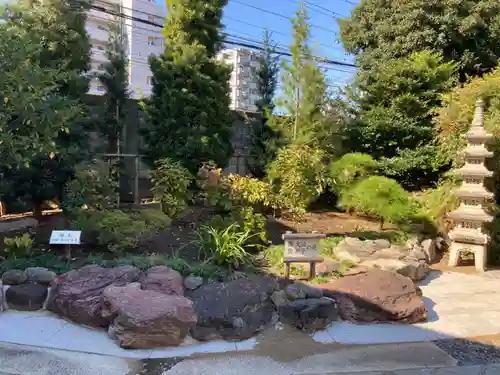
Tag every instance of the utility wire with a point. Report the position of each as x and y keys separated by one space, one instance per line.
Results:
x=280 y=15
x=147 y=22
x=273 y=31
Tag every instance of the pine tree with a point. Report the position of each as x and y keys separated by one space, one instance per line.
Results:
x=188 y=112
x=264 y=139
x=115 y=81
x=304 y=87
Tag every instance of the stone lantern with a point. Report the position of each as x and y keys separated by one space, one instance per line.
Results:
x=468 y=233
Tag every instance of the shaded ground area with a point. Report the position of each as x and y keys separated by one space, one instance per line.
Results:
x=178 y=238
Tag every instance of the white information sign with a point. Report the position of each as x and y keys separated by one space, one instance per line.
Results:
x=65 y=237
x=302 y=246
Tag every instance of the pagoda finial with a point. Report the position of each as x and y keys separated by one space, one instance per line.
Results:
x=479 y=113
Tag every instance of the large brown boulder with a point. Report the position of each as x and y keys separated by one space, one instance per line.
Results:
x=377 y=296
x=76 y=295
x=234 y=310
x=163 y=280
x=144 y=319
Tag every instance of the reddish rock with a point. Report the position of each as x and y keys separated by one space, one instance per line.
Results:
x=377 y=296
x=146 y=319
x=76 y=295
x=163 y=280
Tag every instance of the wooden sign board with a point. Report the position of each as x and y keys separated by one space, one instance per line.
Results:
x=302 y=248
x=65 y=237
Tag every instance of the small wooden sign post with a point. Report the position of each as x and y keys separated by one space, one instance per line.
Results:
x=66 y=238
x=302 y=248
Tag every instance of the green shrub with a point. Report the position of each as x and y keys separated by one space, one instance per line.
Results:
x=298 y=176
x=153 y=218
x=225 y=246
x=170 y=186
x=19 y=246
x=382 y=198
x=115 y=230
x=94 y=186
x=350 y=168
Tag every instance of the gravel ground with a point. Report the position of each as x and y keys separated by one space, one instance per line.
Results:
x=468 y=352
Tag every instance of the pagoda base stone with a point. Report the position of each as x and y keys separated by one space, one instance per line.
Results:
x=479 y=254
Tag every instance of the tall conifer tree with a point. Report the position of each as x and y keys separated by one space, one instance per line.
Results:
x=188 y=112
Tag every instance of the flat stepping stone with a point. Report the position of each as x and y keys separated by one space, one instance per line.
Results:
x=26 y=297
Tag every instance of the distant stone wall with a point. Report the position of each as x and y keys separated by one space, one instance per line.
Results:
x=133 y=143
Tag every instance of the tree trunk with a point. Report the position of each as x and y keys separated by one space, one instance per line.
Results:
x=37 y=210
x=2 y=208
x=381 y=224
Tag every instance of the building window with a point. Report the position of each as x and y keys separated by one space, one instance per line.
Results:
x=100 y=87
x=100 y=27
x=151 y=19
x=151 y=41
x=149 y=80
x=100 y=67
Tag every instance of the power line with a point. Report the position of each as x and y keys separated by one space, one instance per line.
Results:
x=280 y=15
x=273 y=31
x=147 y=22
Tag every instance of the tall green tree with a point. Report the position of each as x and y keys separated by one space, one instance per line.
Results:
x=59 y=28
x=304 y=90
x=33 y=111
x=465 y=31
x=115 y=81
x=188 y=111
x=395 y=123
x=264 y=139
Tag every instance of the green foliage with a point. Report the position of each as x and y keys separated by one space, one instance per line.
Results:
x=49 y=104
x=153 y=218
x=299 y=175
x=114 y=230
x=382 y=198
x=264 y=139
x=461 y=30
x=93 y=186
x=19 y=246
x=226 y=246
x=396 y=98
x=345 y=171
x=33 y=111
x=115 y=81
x=305 y=95
x=170 y=186
x=188 y=111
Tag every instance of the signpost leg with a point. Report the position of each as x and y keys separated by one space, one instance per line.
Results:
x=287 y=270
x=67 y=250
x=312 y=273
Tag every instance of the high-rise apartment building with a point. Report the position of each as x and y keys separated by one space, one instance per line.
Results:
x=141 y=39
x=243 y=83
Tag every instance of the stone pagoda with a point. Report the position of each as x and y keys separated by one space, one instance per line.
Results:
x=468 y=233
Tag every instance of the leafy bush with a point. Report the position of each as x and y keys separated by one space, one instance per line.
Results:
x=170 y=186
x=298 y=175
x=382 y=198
x=153 y=218
x=94 y=186
x=225 y=246
x=345 y=171
x=19 y=246
x=115 y=230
